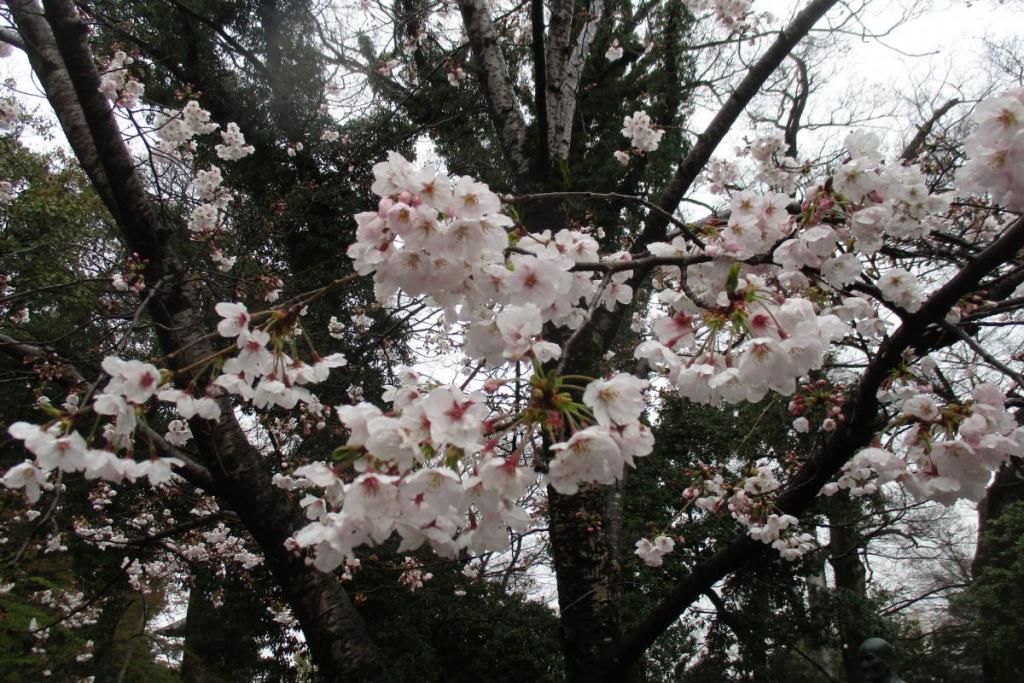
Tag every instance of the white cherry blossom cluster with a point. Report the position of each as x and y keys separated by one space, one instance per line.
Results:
x=774 y=167
x=948 y=453
x=408 y=485
x=653 y=552
x=100 y=537
x=73 y=604
x=413 y=576
x=456 y=76
x=996 y=151
x=599 y=453
x=889 y=200
x=640 y=132
x=749 y=341
x=782 y=533
x=206 y=218
x=283 y=615
x=117 y=86
x=146 y=577
x=614 y=51
x=868 y=470
x=220 y=543
x=749 y=499
x=449 y=241
x=361 y=322
x=233 y=146
x=175 y=130
x=719 y=175
x=733 y=332
x=224 y=263
x=732 y=14
x=59 y=446
x=335 y=328
x=404 y=485
x=214 y=545
x=132 y=277
x=858 y=312
x=756 y=224
x=260 y=372
x=900 y=287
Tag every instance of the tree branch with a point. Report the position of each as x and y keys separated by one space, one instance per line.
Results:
x=796 y=112
x=831 y=453
x=48 y=65
x=540 y=94
x=25 y=352
x=12 y=38
x=688 y=170
x=913 y=147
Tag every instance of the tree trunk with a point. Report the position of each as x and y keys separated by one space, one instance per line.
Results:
x=588 y=571
x=818 y=615
x=220 y=641
x=851 y=586
x=1006 y=489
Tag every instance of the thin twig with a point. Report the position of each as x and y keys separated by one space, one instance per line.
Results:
x=613 y=196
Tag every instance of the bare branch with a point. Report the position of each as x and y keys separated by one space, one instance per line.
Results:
x=913 y=147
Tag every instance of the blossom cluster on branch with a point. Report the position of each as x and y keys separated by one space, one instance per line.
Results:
x=754 y=305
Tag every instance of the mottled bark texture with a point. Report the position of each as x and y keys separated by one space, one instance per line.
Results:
x=502 y=104
x=568 y=47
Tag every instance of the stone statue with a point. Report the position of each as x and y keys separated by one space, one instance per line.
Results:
x=875 y=661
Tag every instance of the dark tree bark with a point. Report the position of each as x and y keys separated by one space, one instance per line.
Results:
x=851 y=582
x=1005 y=490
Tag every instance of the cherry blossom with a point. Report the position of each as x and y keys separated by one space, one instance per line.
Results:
x=652 y=553
x=639 y=130
x=617 y=401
